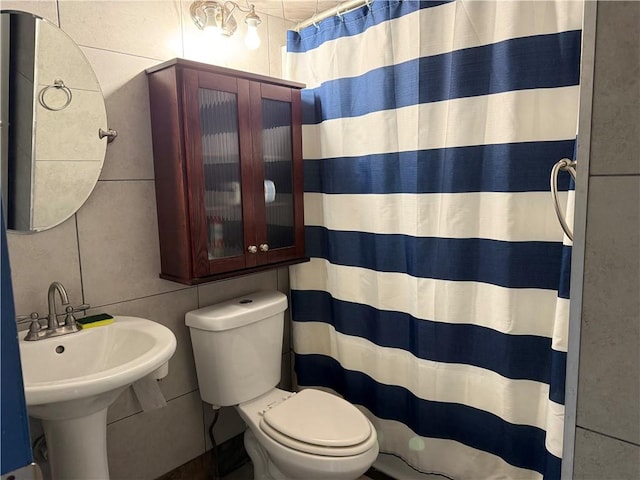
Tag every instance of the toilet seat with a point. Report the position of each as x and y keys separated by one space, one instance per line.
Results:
x=318 y=423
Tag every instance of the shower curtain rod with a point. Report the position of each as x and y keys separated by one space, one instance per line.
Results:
x=341 y=9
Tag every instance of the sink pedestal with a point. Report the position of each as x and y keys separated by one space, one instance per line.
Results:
x=76 y=433
x=77 y=447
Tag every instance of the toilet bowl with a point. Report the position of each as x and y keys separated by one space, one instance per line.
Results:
x=308 y=435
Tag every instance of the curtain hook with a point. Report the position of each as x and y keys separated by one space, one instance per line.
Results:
x=338 y=14
x=368 y=3
x=315 y=14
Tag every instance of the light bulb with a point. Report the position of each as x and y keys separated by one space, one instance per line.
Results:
x=214 y=48
x=252 y=40
x=212 y=33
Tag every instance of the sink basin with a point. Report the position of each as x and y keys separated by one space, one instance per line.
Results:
x=70 y=381
x=93 y=361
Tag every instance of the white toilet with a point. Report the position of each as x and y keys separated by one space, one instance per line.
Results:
x=310 y=435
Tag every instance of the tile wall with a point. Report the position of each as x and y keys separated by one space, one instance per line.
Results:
x=608 y=409
x=107 y=254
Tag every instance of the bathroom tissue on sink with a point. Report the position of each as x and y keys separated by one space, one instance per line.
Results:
x=148 y=392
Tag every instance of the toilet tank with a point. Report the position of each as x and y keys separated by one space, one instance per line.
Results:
x=237 y=346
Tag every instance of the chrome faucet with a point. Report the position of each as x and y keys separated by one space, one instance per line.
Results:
x=54 y=328
x=52 y=318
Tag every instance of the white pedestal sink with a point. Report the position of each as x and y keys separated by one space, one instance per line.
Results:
x=71 y=380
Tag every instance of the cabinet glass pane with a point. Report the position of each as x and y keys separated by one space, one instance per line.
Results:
x=222 y=185
x=278 y=173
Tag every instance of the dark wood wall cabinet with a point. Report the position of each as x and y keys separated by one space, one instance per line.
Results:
x=227 y=152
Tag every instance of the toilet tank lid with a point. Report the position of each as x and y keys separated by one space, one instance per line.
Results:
x=237 y=312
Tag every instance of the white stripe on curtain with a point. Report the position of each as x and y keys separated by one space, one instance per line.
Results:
x=503 y=216
x=519 y=116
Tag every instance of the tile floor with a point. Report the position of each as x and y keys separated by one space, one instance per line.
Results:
x=246 y=473
x=243 y=473
x=388 y=467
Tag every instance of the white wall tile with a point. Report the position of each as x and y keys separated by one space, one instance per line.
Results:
x=145 y=28
x=124 y=85
x=222 y=290
x=169 y=310
x=149 y=444
x=615 y=127
x=277 y=40
x=41 y=258
x=285 y=372
x=283 y=286
x=609 y=378
x=118 y=235
x=228 y=425
x=599 y=457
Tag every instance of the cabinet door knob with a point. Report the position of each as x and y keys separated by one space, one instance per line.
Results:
x=252 y=249
x=264 y=247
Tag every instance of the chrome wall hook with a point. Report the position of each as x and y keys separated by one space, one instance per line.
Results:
x=109 y=133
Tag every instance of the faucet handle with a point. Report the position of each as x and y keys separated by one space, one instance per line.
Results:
x=34 y=327
x=69 y=319
x=81 y=308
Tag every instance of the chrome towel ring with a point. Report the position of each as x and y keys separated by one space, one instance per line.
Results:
x=569 y=166
x=59 y=84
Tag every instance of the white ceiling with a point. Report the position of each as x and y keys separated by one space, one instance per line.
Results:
x=293 y=10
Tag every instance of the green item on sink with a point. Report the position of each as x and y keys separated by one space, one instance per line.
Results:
x=97 y=320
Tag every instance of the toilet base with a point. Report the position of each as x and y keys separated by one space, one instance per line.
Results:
x=263 y=467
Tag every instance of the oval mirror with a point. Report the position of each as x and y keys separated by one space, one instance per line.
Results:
x=52 y=111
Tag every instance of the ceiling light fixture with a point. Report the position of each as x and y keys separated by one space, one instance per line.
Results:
x=218 y=16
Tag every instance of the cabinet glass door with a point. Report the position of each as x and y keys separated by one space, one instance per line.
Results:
x=278 y=173
x=222 y=176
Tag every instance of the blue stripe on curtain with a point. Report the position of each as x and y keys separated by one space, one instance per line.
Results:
x=564 y=290
x=526 y=357
x=488 y=168
x=355 y=22
x=558 y=376
x=542 y=61
x=508 y=264
x=519 y=445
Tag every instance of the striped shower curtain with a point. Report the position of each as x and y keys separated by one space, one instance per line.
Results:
x=436 y=298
